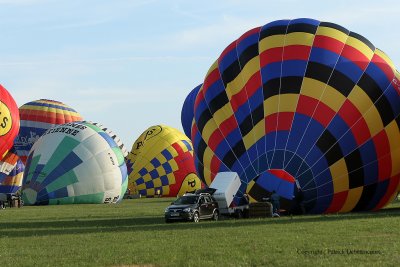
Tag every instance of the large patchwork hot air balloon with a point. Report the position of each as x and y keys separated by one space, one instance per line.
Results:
x=11 y=173
x=74 y=163
x=302 y=105
x=9 y=121
x=187 y=113
x=36 y=118
x=161 y=163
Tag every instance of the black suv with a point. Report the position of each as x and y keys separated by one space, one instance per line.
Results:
x=192 y=207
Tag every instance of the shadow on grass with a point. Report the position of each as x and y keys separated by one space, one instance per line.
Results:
x=87 y=226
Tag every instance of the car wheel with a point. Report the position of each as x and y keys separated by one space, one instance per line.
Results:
x=196 y=217
x=215 y=216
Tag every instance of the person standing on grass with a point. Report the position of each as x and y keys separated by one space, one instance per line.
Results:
x=300 y=201
x=276 y=205
x=298 y=207
x=9 y=200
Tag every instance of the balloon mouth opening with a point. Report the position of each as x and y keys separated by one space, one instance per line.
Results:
x=275 y=180
x=281 y=182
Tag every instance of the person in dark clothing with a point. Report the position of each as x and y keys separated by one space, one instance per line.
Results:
x=246 y=199
x=275 y=201
x=9 y=200
x=298 y=203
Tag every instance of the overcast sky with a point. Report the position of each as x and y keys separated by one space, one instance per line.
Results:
x=130 y=64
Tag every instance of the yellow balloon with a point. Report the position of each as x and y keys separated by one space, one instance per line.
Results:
x=161 y=163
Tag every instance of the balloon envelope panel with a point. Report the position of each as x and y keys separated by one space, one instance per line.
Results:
x=114 y=136
x=9 y=121
x=124 y=151
x=161 y=163
x=74 y=163
x=36 y=118
x=304 y=99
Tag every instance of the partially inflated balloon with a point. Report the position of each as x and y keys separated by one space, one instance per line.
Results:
x=161 y=163
x=187 y=114
x=302 y=104
x=36 y=118
x=8 y=162
x=11 y=172
x=9 y=121
x=74 y=163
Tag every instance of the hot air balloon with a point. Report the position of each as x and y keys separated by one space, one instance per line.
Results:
x=161 y=163
x=187 y=113
x=302 y=105
x=9 y=121
x=36 y=118
x=11 y=172
x=74 y=163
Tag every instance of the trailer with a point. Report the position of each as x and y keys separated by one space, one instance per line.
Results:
x=225 y=186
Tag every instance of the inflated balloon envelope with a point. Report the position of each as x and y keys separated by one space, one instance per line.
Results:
x=9 y=121
x=307 y=105
x=161 y=163
x=74 y=163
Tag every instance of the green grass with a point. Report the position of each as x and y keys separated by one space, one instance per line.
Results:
x=133 y=233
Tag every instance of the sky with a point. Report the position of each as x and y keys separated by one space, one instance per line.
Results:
x=130 y=64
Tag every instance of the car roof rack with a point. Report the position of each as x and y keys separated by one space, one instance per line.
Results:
x=208 y=190
x=190 y=194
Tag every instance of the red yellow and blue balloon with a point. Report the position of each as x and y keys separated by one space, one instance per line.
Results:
x=302 y=104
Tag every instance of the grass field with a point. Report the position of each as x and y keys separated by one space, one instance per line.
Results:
x=133 y=233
